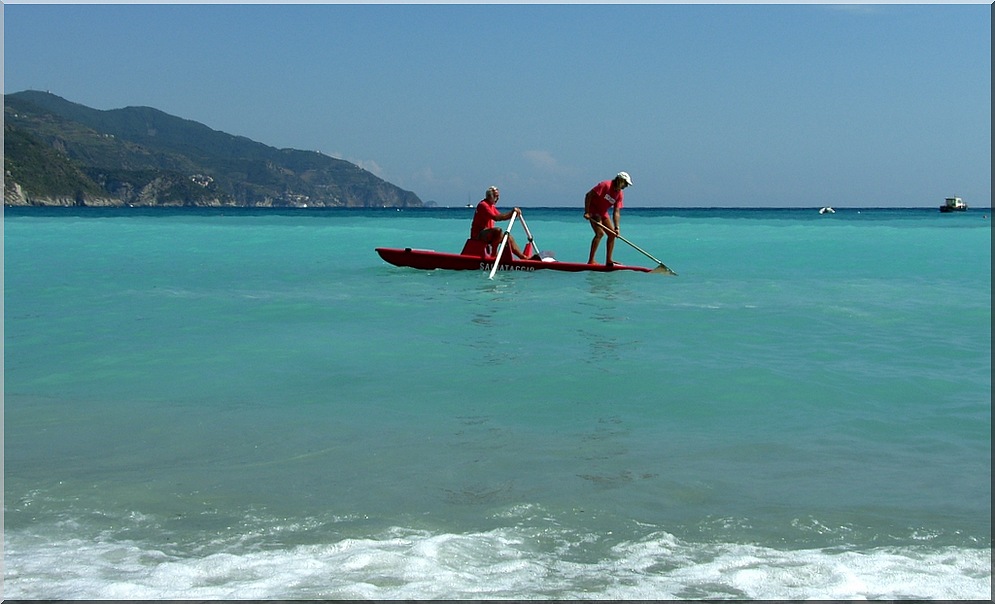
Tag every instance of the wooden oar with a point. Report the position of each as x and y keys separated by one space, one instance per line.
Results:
x=662 y=268
x=504 y=241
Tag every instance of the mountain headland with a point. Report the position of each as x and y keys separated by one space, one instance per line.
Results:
x=60 y=153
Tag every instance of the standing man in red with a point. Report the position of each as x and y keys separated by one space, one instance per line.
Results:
x=483 y=228
x=604 y=196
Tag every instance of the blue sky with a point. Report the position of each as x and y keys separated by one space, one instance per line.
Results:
x=704 y=105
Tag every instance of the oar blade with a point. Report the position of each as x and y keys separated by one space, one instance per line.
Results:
x=664 y=270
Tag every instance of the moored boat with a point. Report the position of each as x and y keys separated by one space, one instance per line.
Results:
x=953 y=204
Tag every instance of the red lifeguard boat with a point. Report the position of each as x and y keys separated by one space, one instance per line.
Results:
x=476 y=256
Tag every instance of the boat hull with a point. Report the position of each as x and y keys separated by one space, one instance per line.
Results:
x=953 y=204
x=432 y=260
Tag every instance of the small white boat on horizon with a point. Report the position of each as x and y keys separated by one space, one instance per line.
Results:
x=953 y=204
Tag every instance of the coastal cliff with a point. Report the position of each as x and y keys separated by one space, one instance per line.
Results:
x=59 y=153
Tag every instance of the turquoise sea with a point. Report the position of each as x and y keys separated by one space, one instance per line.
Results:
x=205 y=404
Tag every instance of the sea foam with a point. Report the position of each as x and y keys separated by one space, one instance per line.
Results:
x=498 y=564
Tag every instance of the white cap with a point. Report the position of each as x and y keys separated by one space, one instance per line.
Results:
x=625 y=178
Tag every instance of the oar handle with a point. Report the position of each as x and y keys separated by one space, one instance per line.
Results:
x=504 y=241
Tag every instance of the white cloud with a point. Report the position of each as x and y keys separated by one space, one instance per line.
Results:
x=543 y=160
x=370 y=166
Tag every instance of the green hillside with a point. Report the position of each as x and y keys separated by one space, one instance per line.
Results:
x=61 y=153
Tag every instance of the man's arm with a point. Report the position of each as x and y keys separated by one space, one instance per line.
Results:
x=587 y=204
x=508 y=214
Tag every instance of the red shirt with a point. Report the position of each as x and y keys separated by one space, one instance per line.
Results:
x=603 y=197
x=483 y=218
